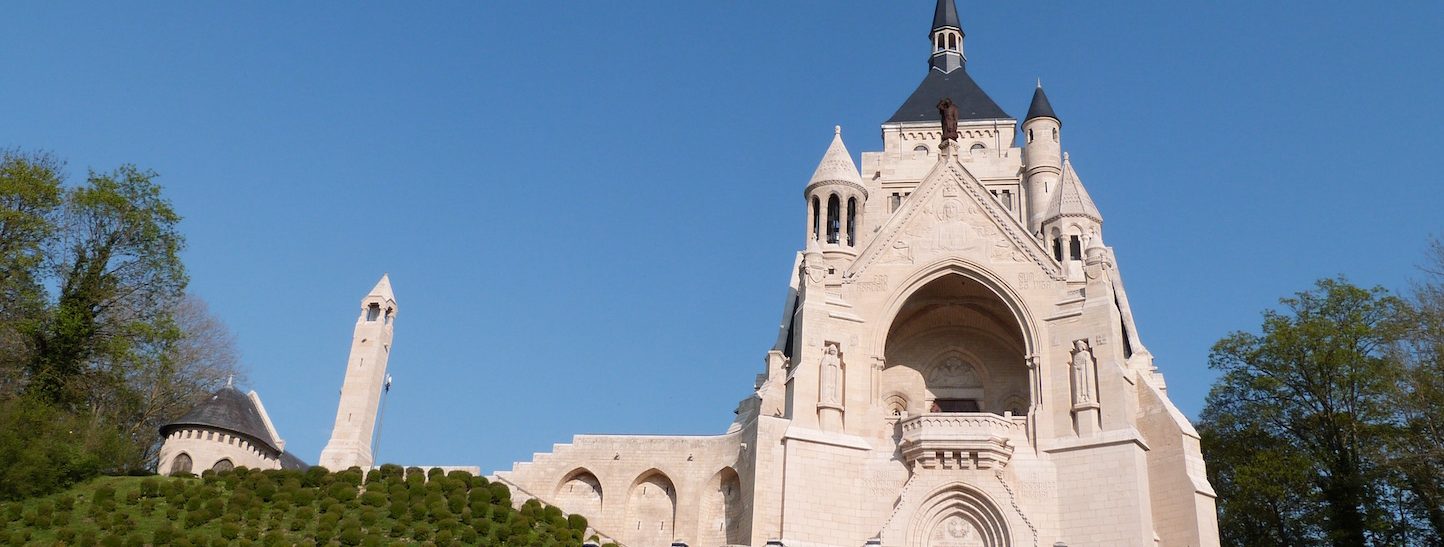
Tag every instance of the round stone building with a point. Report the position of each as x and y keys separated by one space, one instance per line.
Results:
x=230 y=429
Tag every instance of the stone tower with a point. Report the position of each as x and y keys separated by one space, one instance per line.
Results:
x=350 y=444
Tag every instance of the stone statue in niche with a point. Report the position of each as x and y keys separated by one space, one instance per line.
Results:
x=831 y=375
x=1082 y=373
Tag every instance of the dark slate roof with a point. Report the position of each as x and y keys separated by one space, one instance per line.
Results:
x=231 y=410
x=972 y=102
x=946 y=15
x=1040 y=107
x=290 y=461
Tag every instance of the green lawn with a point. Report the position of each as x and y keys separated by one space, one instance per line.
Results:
x=314 y=507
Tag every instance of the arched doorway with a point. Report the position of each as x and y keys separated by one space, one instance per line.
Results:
x=958 y=516
x=955 y=345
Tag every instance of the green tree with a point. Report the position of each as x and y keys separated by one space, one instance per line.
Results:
x=43 y=449
x=30 y=194
x=1418 y=453
x=1316 y=391
x=96 y=330
x=119 y=274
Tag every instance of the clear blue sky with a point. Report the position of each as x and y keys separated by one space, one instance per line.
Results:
x=589 y=209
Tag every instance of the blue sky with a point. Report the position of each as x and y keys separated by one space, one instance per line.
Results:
x=589 y=210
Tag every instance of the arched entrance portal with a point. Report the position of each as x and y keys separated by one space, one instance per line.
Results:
x=955 y=346
x=958 y=516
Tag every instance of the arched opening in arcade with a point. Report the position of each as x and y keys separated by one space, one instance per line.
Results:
x=955 y=346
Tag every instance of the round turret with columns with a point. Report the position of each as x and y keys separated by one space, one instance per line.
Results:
x=835 y=200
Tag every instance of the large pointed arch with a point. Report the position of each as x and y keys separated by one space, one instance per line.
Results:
x=958 y=512
x=651 y=514
x=958 y=315
x=968 y=269
x=580 y=492
x=722 y=515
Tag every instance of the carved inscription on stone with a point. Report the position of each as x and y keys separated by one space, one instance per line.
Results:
x=875 y=283
x=1032 y=280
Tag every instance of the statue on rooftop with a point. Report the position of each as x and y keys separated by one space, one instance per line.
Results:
x=949 y=113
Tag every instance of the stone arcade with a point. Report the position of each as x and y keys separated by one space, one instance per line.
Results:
x=956 y=366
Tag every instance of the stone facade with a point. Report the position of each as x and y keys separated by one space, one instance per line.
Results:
x=957 y=366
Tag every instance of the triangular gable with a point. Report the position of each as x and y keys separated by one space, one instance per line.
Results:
x=951 y=211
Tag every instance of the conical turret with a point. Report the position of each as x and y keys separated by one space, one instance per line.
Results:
x=1040 y=107
x=835 y=198
x=1042 y=157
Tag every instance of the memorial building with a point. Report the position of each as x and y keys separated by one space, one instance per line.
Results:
x=957 y=365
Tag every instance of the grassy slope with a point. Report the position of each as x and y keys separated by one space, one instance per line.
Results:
x=287 y=508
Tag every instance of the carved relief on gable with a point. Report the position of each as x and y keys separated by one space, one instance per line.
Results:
x=949 y=216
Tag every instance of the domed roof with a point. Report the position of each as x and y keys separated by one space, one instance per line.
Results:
x=228 y=409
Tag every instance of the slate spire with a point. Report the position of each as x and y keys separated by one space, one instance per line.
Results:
x=946 y=16
x=947 y=37
x=1040 y=108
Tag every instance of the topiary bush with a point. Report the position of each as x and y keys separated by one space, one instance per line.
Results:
x=150 y=487
x=104 y=493
x=163 y=534
x=341 y=492
x=351 y=535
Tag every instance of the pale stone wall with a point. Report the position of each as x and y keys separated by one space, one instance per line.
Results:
x=646 y=490
x=205 y=446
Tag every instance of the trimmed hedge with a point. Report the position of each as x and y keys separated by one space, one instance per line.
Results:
x=314 y=507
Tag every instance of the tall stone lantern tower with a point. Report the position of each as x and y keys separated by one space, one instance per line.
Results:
x=350 y=444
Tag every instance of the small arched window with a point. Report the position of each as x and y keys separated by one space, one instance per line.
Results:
x=920 y=150
x=1075 y=248
x=388 y=315
x=181 y=464
x=816 y=218
x=373 y=311
x=1030 y=135
x=1055 y=134
x=1058 y=248
x=223 y=465
x=851 y=222
x=834 y=218
x=978 y=146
